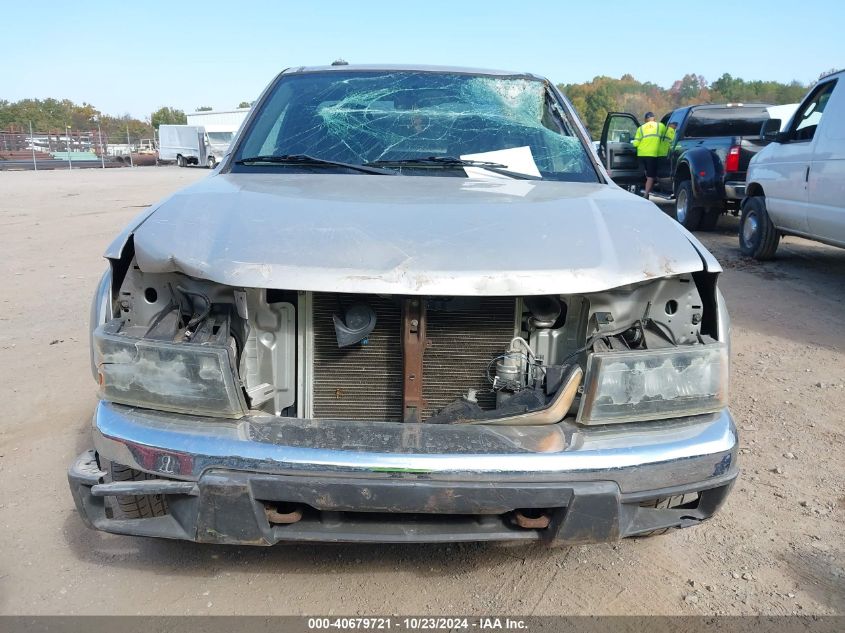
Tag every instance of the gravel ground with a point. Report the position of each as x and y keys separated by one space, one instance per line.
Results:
x=777 y=547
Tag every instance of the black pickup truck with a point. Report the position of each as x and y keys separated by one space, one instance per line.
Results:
x=704 y=172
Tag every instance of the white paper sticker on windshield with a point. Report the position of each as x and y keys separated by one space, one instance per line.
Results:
x=516 y=159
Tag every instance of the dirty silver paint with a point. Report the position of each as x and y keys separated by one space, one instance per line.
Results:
x=598 y=248
x=413 y=235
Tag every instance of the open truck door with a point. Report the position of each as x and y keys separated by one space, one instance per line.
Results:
x=617 y=152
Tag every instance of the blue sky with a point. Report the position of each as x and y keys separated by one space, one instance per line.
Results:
x=133 y=57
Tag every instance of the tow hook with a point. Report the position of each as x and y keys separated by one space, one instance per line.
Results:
x=532 y=519
x=282 y=515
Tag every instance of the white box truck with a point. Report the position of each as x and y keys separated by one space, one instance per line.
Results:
x=220 y=125
x=189 y=145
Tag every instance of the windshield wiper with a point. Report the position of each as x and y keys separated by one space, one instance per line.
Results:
x=452 y=161
x=305 y=159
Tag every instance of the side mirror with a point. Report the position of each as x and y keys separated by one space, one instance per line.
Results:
x=770 y=131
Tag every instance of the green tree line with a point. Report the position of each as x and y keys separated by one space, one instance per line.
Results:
x=594 y=99
x=54 y=115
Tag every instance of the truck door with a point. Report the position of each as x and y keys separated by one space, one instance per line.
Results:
x=616 y=151
x=666 y=165
x=785 y=180
x=826 y=178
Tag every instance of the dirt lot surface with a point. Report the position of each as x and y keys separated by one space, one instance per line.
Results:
x=778 y=546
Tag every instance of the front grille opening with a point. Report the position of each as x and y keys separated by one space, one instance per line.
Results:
x=419 y=518
x=364 y=382
x=465 y=337
x=292 y=513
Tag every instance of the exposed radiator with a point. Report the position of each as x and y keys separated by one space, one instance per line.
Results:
x=364 y=382
x=464 y=338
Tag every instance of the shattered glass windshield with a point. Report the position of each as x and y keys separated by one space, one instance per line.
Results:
x=360 y=117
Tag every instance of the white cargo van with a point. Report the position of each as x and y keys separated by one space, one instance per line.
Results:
x=796 y=185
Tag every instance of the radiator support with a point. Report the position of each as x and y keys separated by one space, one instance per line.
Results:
x=413 y=350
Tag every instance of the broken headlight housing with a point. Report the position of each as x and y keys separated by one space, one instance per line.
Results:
x=654 y=384
x=168 y=376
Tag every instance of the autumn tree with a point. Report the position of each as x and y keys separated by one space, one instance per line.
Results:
x=54 y=116
x=168 y=116
x=595 y=98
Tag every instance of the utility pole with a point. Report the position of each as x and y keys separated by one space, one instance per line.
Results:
x=32 y=145
x=129 y=145
x=102 y=150
x=67 y=146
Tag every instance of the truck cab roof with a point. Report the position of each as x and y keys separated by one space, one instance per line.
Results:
x=720 y=106
x=463 y=70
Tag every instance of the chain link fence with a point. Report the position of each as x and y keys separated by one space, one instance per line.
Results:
x=74 y=149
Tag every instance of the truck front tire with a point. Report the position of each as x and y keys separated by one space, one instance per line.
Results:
x=666 y=503
x=758 y=237
x=140 y=506
x=687 y=212
x=180 y=160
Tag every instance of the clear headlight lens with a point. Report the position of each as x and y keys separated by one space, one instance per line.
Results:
x=178 y=377
x=654 y=384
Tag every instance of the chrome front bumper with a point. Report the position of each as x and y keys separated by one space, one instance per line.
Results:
x=222 y=471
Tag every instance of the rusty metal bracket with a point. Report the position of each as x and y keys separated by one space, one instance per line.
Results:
x=538 y=522
x=413 y=349
x=282 y=518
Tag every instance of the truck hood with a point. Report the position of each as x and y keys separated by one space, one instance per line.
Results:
x=411 y=235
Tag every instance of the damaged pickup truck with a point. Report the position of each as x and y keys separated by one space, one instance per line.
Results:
x=408 y=306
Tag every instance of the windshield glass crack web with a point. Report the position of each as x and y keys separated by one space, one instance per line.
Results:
x=361 y=117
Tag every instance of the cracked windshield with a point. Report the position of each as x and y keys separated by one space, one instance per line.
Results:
x=415 y=123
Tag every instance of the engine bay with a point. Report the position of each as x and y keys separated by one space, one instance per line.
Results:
x=438 y=360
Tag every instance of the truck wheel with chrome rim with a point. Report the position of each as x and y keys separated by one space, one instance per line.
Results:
x=758 y=237
x=687 y=212
x=180 y=160
x=211 y=163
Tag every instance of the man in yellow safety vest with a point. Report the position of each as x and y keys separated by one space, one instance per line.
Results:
x=668 y=138
x=647 y=140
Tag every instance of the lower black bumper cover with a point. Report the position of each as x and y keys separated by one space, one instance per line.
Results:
x=230 y=507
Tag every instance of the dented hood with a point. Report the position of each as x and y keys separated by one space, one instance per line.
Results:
x=410 y=235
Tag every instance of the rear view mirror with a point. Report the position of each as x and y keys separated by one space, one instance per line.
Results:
x=770 y=130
